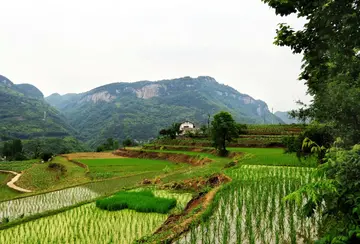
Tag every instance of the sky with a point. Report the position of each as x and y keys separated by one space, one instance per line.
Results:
x=73 y=46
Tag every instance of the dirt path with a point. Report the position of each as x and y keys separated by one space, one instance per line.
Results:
x=11 y=183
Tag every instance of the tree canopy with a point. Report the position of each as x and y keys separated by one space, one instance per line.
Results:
x=172 y=131
x=223 y=130
x=330 y=44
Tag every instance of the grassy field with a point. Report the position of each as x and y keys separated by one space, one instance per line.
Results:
x=89 y=224
x=273 y=157
x=17 y=166
x=119 y=167
x=40 y=178
x=5 y=191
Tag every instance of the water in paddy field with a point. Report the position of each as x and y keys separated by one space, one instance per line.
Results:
x=27 y=206
x=252 y=210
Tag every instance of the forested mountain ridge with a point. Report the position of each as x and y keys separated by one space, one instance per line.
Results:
x=140 y=109
x=25 y=114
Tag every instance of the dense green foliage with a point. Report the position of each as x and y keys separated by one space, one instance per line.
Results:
x=321 y=134
x=140 y=110
x=172 y=131
x=339 y=194
x=41 y=148
x=13 y=150
x=223 y=130
x=109 y=145
x=24 y=114
x=140 y=201
x=330 y=43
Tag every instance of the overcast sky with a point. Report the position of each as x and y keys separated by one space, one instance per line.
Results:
x=74 y=46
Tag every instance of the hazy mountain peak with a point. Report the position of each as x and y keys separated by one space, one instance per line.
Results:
x=5 y=81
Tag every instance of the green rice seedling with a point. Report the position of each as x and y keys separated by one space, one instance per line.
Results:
x=86 y=224
x=45 y=202
x=142 y=201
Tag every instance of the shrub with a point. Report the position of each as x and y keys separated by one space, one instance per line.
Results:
x=320 y=134
x=57 y=167
x=143 y=201
x=46 y=156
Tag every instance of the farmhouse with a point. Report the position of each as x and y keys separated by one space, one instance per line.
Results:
x=187 y=127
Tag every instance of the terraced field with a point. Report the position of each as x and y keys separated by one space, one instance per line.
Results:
x=242 y=209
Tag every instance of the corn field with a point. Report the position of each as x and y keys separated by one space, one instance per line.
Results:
x=40 y=203
x=251 y=209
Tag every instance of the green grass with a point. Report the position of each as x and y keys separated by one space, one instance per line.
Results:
x=140 y=201
x=118 y=167
x=273 y=157
x=40 y=178
x=17 y=166
x=5 y=191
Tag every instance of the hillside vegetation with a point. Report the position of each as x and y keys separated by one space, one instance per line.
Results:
x=24 y=113
x=139 y=110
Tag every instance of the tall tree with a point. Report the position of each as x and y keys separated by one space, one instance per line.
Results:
x=330 y=43
x=223 y=129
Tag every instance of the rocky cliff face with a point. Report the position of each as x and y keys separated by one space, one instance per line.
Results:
x=103 y=96
x=149 y=91
x=139 y=110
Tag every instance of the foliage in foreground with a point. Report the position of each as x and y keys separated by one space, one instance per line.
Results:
x=142 y=201
x=339 y=192
x=319 y=134
x=330 y=44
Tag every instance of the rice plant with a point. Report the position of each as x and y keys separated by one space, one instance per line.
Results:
x=85 y=224
x=140 y=201
x=44 y=202
x=251 y=209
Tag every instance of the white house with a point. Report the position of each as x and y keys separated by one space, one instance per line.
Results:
x=187 y=126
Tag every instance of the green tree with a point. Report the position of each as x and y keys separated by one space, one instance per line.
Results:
x=116 y=144
x=223 y=129
x=330 y=43
x=13 y=150
x=172 y=131
x=127 y=142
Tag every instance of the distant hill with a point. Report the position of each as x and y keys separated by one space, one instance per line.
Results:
x=139 y=110
x=284 y=116
x=25 y=114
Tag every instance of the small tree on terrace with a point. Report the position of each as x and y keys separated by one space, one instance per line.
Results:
x=223 y=129
x=172 y=131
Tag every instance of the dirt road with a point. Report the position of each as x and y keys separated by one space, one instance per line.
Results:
x=11 y=183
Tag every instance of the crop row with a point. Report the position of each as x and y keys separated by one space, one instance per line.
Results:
x=13 y=209
x=89 y=224
x=251 y=209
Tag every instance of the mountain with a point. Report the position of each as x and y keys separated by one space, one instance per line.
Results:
x=59 y=101
x=284 y=116
x=140 y=109
x=25 y=114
